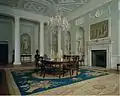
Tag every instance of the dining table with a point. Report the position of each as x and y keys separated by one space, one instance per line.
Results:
x=57 y=64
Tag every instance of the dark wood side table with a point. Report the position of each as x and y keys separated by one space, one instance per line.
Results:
x=28 y=56
x=118 y=67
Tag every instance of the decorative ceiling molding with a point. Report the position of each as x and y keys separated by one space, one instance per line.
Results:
x=45 y=7
x=34 y=6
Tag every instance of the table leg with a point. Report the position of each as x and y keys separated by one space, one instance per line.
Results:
x=59 y=71
x=117 y=67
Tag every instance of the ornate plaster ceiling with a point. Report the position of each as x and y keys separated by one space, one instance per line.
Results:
x=45 y=7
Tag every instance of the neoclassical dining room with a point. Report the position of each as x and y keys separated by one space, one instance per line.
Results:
x=60 y=47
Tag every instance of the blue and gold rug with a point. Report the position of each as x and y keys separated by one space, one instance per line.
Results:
x=29 y=84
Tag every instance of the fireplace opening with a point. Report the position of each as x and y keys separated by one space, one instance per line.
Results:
x=99 y=58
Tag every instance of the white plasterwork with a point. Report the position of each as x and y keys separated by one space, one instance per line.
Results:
x=100 y=46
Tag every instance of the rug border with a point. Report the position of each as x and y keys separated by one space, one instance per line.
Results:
x=12 y=87
x=14 y=90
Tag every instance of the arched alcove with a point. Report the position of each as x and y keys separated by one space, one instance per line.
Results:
x=67 y=43
x=25 y=43
x=54 y=45
x=80 y=42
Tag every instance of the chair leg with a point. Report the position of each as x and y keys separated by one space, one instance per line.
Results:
x=117 y=68
x=59 y=76
x=43 y=74
x=77 y=72
x=72 y=72
x=40 y=72
x=63 y=73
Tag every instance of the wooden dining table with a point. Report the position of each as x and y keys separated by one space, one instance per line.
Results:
x=53 y=64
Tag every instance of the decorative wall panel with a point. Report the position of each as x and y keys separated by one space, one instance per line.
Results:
x=99 y=30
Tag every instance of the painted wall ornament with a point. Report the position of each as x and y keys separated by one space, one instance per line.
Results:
x=25 y=44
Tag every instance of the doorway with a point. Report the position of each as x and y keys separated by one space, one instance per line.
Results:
x=3 y=54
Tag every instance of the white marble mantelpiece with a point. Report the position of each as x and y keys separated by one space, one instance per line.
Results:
x=101 y=42
x=104 y=44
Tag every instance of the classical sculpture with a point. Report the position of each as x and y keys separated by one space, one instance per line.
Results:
x=25 y=44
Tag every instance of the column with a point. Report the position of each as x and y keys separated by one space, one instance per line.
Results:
x=59 y=42
x=41 y=38
x=51 y=44
x=119 y=40
x=36 y=30
x=17 y=42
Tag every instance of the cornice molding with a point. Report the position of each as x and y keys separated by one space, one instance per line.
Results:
x=86 y=9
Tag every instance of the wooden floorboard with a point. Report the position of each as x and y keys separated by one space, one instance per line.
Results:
x=3 y=84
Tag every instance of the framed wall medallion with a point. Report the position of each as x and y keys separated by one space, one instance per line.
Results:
x=99 y=30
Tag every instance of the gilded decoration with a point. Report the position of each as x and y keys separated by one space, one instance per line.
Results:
x=99 y=30
x=25 y=44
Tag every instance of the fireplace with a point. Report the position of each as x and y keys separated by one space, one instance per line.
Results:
x=99 y=58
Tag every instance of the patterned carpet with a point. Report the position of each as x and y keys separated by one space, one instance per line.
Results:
x=27 y=83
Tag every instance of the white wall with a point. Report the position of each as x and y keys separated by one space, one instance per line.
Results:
x=32 y=29
x=25 y=27
x=46 y=40
x=110 y=12
x=6 y=29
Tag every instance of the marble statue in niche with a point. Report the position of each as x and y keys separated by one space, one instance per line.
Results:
x=25 y=44
x=67 y=43
x=79 y=45
x=80 y=41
